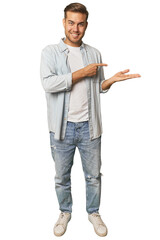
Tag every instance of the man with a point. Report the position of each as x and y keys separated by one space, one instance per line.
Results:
x=72 y=77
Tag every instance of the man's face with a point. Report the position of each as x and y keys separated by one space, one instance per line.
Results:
x=75 y=25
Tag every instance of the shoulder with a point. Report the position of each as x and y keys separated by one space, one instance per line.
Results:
x=50 y=48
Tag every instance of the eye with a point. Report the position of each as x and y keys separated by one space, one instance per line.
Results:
x=70 y=23
x=81 y=24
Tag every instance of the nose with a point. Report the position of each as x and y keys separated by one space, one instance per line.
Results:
x=75 y=28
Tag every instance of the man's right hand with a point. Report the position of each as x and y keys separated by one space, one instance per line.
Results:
x=87 y=71
x=91 y=69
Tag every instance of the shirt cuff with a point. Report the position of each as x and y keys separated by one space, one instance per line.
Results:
x=101 y=90
x=69 y=82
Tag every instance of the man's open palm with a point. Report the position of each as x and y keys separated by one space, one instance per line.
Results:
x=120 y=76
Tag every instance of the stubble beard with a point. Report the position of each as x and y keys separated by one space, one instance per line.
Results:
x=79 y=41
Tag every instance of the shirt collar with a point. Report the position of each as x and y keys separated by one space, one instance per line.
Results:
x=63 y=46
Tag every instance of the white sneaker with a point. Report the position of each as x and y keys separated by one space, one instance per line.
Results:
x=99 y=226
x=61 y=225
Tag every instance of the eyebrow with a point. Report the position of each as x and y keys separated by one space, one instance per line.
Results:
x=74 y=22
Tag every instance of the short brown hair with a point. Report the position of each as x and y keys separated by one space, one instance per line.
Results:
x=76 y=7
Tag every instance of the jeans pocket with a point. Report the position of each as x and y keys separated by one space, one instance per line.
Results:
x=51 y=138
x=53 y=147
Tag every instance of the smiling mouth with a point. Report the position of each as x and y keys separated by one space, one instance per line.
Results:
x=75 y=35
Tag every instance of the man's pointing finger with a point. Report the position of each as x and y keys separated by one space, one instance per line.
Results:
x=101 y=64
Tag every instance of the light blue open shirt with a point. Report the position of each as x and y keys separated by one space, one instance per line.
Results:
x=56 y=79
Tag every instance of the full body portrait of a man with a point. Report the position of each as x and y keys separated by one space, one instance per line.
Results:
x=73 y=78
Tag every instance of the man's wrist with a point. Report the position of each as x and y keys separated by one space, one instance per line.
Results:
x=82 y=72
x=108 y=83
x=111 y=80
x=78 y=75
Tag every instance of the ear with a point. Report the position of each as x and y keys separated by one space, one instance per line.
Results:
x=64 y=22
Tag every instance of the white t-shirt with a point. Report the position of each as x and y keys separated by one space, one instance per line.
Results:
x=78 y=106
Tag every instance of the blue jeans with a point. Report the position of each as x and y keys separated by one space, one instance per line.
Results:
x=77 y=135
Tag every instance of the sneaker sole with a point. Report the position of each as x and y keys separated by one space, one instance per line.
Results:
x=101 y=235
x=59 y=235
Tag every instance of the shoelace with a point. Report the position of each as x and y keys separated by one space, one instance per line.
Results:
x=98 y=219
x=61 y=220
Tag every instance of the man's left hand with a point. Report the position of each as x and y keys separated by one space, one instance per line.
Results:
x=120 y=76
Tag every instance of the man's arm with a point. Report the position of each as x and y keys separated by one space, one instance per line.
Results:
x=53 y=83
x=120 y=76
x=87 y=71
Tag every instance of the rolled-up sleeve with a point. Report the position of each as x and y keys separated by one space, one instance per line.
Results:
x=102 y=78
x=52 y=82
x=101 y=90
